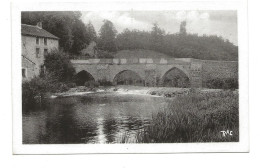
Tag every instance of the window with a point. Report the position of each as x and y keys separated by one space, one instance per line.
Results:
x=37 y=40
x=45 y=41
x=37 y=52
x=45 y=52
x=23 y=72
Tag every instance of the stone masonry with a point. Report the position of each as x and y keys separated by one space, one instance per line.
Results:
x=152 y=71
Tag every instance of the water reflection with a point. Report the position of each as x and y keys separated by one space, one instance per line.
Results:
x=92 y=118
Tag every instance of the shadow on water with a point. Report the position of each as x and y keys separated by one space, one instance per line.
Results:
x=92 y=118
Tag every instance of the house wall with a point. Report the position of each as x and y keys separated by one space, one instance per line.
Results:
x=29 y=50
x=30 y=69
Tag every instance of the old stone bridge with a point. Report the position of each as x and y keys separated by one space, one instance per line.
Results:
x=153 y=71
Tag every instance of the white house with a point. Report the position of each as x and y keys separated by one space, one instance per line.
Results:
x=36 y=42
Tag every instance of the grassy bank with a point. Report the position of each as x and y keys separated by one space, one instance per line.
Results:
x=195 y=117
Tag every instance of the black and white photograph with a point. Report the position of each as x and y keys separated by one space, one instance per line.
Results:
x=129 y=76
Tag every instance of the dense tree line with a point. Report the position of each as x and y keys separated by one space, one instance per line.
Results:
x=179 y=45
x=75 y=35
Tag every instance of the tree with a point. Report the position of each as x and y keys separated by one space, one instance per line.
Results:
x=179 y=46
x=59 y=67
x=80 y=37
x=66 y=25
x=133 y=39
x=91 y=32
x=107 y=37
x=157 y=35
x=183 y=28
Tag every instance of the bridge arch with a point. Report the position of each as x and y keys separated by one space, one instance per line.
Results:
x=129 y=77
x=82 y=77
x=175 y=77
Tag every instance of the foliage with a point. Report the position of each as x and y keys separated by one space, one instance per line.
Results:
x=31 y=89
x=58 y=78
x=91 y=31
x=178 y=45
x=80 y=37
x=71 y=85
x=135 y=39
x=156 y=38
x=58 y=66
x=34 y=91
x=222 y=83
x=183 y=28
x=107 y=37
x=104 y=54
x=75 y=35
x=66 y=25
x=91 y=84
x=196 y=117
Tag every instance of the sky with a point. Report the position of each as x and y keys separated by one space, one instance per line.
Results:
x=220 y=23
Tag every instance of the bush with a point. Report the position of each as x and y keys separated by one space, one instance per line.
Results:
x=71 y=85
x=105 y=83
x=62 y=87
x=58 y=65
x=104 y=54
x=90 y=84
x=37 y=87
x=231 y=83
x=96 y=84
x=225 y=83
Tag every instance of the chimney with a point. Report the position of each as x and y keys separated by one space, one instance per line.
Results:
x=39 y=25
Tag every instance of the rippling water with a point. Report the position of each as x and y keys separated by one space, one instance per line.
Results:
x=90 y=118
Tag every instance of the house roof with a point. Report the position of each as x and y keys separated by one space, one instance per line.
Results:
x=31 y=30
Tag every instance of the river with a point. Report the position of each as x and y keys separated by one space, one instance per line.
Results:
x=90 y=118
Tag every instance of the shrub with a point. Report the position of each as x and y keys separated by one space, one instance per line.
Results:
x=105 y=83
x=230 y=83
x=71 y=85
x=90 y=84
x=96 y=84
x=59 y=66
x=224 y=83
x=37 y=87
x=104 y=54
x=63 y=87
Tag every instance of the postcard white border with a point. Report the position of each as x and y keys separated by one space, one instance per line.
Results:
x=241 y=146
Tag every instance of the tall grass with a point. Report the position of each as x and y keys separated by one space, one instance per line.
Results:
x=196 y=117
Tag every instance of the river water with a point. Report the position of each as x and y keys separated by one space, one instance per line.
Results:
x=91 y=118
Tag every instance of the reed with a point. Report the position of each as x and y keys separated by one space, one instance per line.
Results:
x=196 y=117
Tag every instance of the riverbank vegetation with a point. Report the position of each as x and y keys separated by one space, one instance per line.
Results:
x=196 y=117
x=57 y=76
x=222 y=83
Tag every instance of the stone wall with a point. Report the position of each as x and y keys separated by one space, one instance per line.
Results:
x=153 y=70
